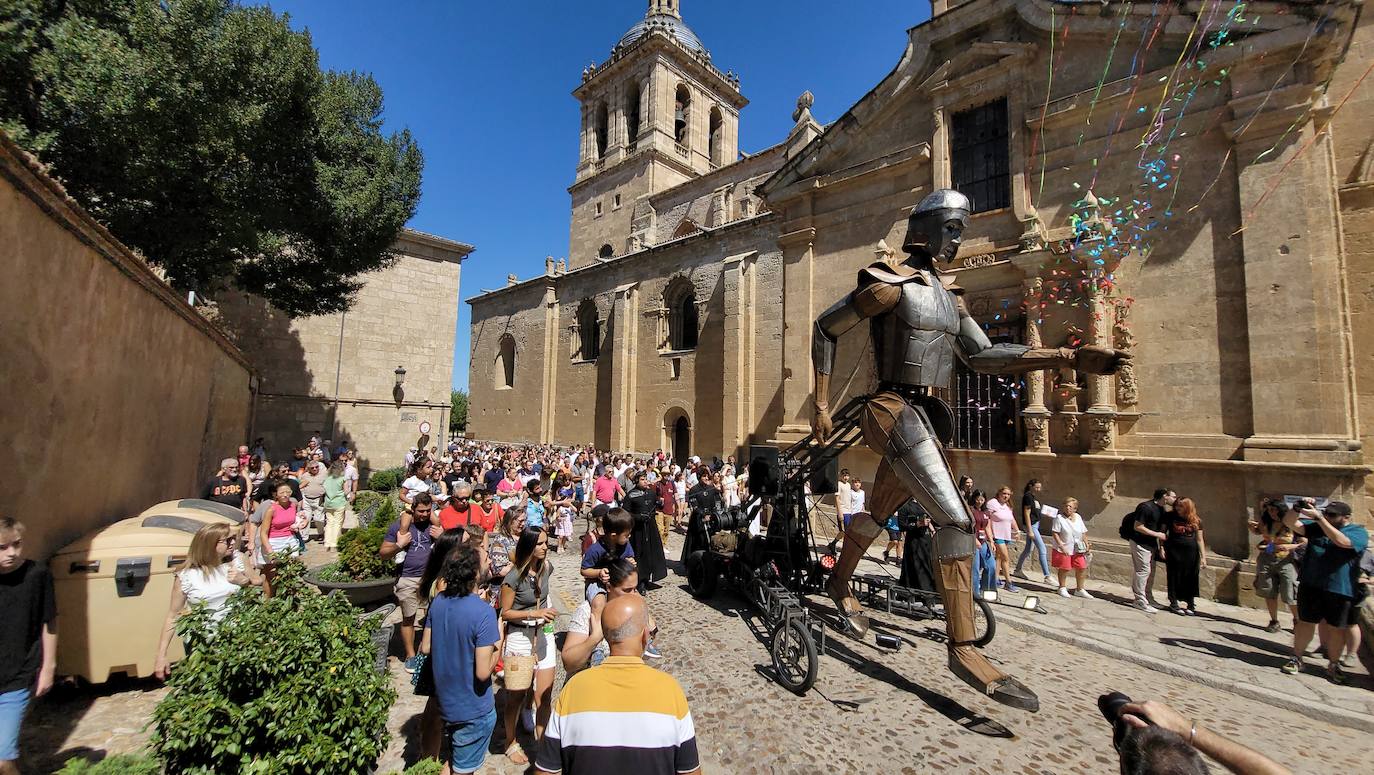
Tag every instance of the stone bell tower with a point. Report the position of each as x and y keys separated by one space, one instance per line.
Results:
x=655 y=114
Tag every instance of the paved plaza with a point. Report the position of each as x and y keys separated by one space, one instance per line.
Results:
x=875 y=710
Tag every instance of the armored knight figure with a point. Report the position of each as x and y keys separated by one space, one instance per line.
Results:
x=919 y=327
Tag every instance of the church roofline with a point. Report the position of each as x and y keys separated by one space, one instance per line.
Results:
x=724 y=83
x=456 y=251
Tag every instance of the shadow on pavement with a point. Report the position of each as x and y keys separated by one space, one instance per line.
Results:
x=53 y=718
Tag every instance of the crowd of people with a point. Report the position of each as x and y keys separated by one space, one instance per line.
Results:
x=482 y=525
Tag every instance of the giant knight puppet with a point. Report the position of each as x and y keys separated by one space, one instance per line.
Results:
x=919 y=327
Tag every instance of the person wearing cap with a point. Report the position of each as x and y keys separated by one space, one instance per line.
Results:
x=1326 y=580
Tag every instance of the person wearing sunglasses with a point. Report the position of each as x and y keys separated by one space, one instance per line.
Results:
x=211 y=573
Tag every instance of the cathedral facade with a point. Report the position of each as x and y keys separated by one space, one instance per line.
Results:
x=1192 y=183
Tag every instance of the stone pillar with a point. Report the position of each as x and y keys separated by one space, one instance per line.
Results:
x=799 y=316
x=1036 y=415
x=1101 y=414
x=1293 y=271
x=624 y=375
x=552 y=360
x=737 y=418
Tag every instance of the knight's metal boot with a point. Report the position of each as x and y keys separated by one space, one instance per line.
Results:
x=965 y=660
x=860 y=534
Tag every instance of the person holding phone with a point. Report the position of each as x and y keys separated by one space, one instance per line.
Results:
x=1276 y=573
x=1326 y=581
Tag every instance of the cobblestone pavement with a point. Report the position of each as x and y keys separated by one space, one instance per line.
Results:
x=873 y=710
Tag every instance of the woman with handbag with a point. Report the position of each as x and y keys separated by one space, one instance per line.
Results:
x=529 y=654
x=1071 y=549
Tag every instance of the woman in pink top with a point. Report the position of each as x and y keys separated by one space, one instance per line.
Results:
x=1004 y=532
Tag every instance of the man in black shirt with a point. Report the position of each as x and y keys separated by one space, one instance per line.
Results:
x=28 y=638
x=1144 y=529
x=228 y=486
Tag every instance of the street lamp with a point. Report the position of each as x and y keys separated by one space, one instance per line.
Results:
x=398 y=393
x=400 y=376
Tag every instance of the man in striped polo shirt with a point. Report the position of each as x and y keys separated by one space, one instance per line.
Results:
x=621 y=716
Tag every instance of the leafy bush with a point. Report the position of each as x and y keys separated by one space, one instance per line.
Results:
x=365 y=504
x=422 y=767
x=386 y=479
x=122 y=764
x=282 y=685
x=358 y=550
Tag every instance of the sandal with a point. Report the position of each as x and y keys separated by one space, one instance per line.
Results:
x=516 y=754
x=1335 y=674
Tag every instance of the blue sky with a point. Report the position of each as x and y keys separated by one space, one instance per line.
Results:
x=485 y=88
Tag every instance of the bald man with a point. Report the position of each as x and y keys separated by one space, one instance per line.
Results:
x=654 y=732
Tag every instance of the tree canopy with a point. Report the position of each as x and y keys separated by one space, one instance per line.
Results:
x=458 y=418
x=204 y=134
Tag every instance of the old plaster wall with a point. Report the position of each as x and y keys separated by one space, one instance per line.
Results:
x=335 y=374
x=103 y=362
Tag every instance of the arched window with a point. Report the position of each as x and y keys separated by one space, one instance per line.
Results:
x=688 y=226
x=606 y=251
x=682 y=113
x=503 y=376
x=602 y=127
x=680 y=301
x=589 y=331
x=716 y=139
x=632 y=115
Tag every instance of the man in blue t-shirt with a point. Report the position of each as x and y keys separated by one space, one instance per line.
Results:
x=1326 y=580
x=416 y=543
x=463 y=637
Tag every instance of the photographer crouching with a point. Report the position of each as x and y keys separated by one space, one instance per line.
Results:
x=1327 y=580
x=1154 y=739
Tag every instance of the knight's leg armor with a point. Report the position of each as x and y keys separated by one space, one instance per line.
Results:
x=914 y=466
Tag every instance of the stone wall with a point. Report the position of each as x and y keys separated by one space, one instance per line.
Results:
x=117 y=394
x=335 y=374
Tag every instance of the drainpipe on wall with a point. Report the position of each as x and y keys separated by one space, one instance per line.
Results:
x=338 y=370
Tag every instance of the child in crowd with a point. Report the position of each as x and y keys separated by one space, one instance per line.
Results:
x=28 y=650
x=613 y=544
x=563 y=516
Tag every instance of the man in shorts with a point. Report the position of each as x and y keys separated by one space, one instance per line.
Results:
x=28 y=638
x=1326 y=582
x=416 y=544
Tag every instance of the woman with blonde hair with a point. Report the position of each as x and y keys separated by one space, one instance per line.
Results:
x=211 y=574
x=1071 y=549
x=1004 y=532
x=1185 y=553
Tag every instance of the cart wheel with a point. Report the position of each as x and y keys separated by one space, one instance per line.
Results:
x=983 y=622
x=794 y=656
x=701 y=577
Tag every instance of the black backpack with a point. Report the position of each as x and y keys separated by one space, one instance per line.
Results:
x=1127 y=531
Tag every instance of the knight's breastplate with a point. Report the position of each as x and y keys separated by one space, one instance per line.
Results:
x=914 y=343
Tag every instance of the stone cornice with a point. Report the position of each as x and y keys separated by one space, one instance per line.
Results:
x=31 y=178
x=891 y=163
x=658 y=42
x=447 y=249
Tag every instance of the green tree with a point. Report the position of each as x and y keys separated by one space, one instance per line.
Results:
x=205 y=135
x=458 y=418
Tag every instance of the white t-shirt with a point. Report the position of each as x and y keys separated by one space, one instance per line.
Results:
x=351 y=474
x=856 y=501
x=581 y=623
x=842 y=498
x=415 y=485
x=213 y=588
x=1071 y=530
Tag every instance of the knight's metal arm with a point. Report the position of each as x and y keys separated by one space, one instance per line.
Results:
x=832 y=324
x=988 y=358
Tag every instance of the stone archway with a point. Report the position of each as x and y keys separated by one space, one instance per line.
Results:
x=677 y=431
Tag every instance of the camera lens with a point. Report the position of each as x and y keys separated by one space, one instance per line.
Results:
x=1111 y=704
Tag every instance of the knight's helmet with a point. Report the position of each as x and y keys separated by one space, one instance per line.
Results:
x=926 y=225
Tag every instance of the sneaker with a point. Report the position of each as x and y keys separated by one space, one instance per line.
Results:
x=1291 y=667
x=1047 y=580
x=1083 y=593
x=1347 y=660
x=1335 y=674
x=1013 y=588
x=1018 y=574
x=1146 y=607
x=1189 y=612
x=413 y=664
x=651 y=651
x=1273 y=626
x=1064 y=592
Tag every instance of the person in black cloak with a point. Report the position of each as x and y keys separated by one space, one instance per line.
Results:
x=643 y=503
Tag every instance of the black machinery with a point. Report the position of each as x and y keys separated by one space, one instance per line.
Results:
x=777 y=563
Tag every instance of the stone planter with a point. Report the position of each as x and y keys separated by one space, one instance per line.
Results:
x=359 y=593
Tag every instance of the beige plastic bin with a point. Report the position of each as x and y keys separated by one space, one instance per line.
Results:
x=113 y=587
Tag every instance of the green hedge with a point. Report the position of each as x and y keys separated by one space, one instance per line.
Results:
x=286 y=686
x=386 y=479
x=122 y=764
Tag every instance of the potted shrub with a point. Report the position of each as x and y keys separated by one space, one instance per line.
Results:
x=284 y=685
x=386 y=479
x=361 y=574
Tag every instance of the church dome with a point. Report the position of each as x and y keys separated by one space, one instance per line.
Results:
x=669 y=23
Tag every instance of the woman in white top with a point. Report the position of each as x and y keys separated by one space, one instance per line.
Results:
x=1071 y=548
x=211 y=574
x=729 y=486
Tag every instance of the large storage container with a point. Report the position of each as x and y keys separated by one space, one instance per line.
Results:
x=113 y=587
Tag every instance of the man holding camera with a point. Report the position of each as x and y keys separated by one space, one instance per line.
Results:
x=1326 y=580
